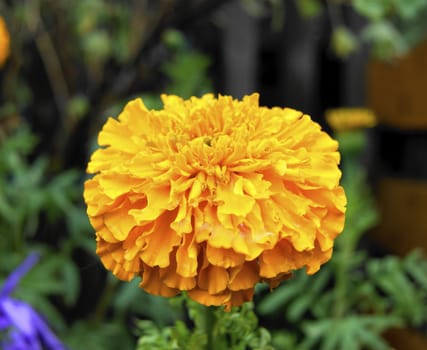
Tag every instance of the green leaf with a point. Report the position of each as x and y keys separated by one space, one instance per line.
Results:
x=374 y=10
x=416 y=262
x=309 y=8
x=187 y=73
x=78 y=106
x=408 y=9
x=71 y=278
x=280 y=296
x=309 y=296
x=43 y=277
x=352 y=332
x=406 y=298
x=126 y=295
x=105 y=336
x=97 y=46
x=387 y=41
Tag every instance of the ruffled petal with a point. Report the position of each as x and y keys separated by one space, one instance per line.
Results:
x=204 y=297
x=186 y=256
x=153 y=284
x=224 y=257
x=213 y=278
x=244 y=277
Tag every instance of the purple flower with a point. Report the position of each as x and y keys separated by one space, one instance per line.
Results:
x=22 y=327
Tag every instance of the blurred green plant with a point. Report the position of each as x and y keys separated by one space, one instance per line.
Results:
x=186 y=70
x=28 y=197
x=391 y=27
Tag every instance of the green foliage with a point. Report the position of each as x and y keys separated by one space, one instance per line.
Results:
x=105 y=336
x=374 y=10
x=213 y=328
x=186 y=69
x=28 y=195
x=353 y=332
x=388 y=41
x=27 y=191
x=392 y=27
x=177 y=337
x=187 y=73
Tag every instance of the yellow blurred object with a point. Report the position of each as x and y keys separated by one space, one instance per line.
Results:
x=4 y=42
x=345 y=119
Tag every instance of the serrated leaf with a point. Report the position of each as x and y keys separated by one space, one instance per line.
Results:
x=416 y=266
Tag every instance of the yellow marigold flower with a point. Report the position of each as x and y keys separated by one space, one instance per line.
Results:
x=4 y=42
x=344 y=119
x=213 y=195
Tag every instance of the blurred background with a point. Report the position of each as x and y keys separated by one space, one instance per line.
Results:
x=66 y=66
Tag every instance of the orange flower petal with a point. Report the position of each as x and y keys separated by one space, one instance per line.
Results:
x=158 y=245
x=186 y=256
x=119 y=222
x=244 y=277
x=153 y=284
x=280 y=259
x=206 y=298
x=157 y=203
x=238 y=298
x=223 y=257
x=112 y=258
x=233 y=201
x=214 y=279
x=172 y=279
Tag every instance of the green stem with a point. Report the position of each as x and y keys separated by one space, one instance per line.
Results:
x=342 y=278
x=348 y=242
x=207 y=322
x=105 y=301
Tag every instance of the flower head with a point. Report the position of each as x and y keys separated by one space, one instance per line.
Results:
x=213 y=195
x=4 y=42
x=24 y=327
